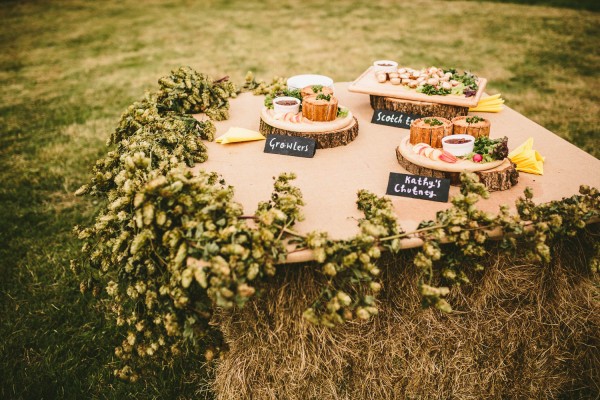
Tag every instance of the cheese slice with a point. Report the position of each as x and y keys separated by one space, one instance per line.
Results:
x=236 y=134
x=527 y=159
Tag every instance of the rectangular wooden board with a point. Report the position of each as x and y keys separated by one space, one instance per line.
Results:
x=367 y=83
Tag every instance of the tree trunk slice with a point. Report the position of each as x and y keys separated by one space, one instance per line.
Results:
x=325 y=140
x=502 y=177
x=476 y=130
x=417 y=107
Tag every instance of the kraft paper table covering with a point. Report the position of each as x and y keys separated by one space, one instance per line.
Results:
x=330 y=181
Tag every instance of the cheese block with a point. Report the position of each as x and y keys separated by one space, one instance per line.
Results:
x=475 y=129
x=236 y=134
x=316 y=89
x=319 y=109
x=527 y=159
x=430 y=130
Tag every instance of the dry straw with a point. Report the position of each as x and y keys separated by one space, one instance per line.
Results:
x=519 y=331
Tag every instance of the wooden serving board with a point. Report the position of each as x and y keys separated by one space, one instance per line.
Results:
x=501 y=177
x=405 y=149
x=306 y=127
x=417 y=107
x=325 y=140
x=368 y=84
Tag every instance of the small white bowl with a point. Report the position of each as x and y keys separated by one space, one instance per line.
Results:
x=286 y=108
x=458 y=149
x=302 y=81
x=386 y=66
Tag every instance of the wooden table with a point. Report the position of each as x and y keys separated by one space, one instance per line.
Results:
x=330 y=180
x=535 y=325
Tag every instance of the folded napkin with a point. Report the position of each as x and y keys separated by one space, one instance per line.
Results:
x=235 y=134
x=527 y=159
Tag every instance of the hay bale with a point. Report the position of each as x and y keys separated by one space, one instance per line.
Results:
x=520 y=331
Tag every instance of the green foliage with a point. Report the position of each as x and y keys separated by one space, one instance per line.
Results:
x=433 y=122
x=188 y=92
x=474 y=119
x=171 y=246
x=432 y=90
x=63 y=89
x=277 y=84
x=490 y=149
x=136 y=251
x=323 y=96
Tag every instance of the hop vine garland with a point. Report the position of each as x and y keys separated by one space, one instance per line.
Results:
x=169 y=246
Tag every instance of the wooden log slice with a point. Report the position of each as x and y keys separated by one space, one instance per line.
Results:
x=503 y=177
x=319 y=110
x=423 y=131
x=417 y=107
x=476 y=129
x=325 y=140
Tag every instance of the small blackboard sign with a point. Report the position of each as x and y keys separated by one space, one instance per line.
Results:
x=290 y=146
x=418 y=187
x=394 y=118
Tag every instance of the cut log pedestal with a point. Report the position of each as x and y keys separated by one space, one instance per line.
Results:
x=417 y=107
x=477 y=129
x=503 y=177
x=325 y=140
x=422 y=132
x=319 y=110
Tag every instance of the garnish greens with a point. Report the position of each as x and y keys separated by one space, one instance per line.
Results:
x=474 y=119
x=490 y=149
x=430 y=90
x=323 y=96
x=433 y=121
x=467 y=79
x=342 y=112
x=317 y=88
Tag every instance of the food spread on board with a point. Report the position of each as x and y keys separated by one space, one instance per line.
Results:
x=432 y=80
x=455 y=142
x=312 y=111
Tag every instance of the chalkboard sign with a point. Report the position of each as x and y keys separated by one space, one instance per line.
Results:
x=290 y=146
x=394 y=118
x=418 y=187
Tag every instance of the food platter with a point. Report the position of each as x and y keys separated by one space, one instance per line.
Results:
x=406 y=150
x=367 y=83
x=305 y=126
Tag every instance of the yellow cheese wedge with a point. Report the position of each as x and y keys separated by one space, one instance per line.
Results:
x=493 y=109
x=489 y=98
x=526 y=145
x=527 y=159
x=236 y=134
x=489 y=104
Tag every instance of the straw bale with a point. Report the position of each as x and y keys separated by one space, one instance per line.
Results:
x=519 y=331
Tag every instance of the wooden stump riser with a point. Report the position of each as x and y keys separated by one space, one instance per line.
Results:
x=417 y=107
x=324 y=140
x=503 y=177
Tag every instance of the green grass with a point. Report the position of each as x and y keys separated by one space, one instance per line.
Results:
x=69 y=68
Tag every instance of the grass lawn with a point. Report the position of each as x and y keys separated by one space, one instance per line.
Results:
x=69 y=68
